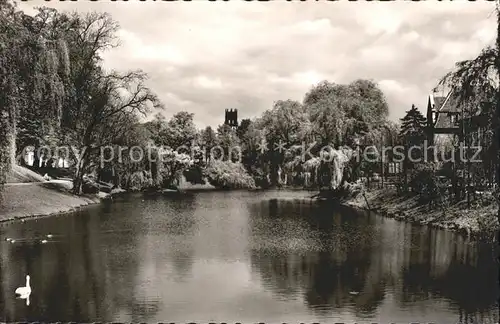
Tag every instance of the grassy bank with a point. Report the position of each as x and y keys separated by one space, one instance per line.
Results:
x=39 y=199
x=27 y=194
x=479 y=220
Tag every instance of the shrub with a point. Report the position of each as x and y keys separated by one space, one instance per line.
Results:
x=229 y=175
x=424 y=182
x=139 y=180
x=260 y=177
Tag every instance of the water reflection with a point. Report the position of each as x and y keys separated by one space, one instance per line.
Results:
x=247 y=257
x=68 y=276
x=343 y=253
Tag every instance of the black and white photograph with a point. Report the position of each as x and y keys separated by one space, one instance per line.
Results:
x=245 y=161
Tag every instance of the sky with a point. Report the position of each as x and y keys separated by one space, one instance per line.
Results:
x=205 y=57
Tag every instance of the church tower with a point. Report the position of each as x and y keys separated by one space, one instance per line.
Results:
x=231 y=118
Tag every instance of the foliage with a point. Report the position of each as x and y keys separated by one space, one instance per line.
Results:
x=476 y=84
x=178 y=132
x=413 y=126
x=137 y=181
x=243 y=127
x=116 y=98
x=227 y=140
x=208 y=139
x=424 y=182
x=172 y=165
x=412 y=134
x=342 y=113
x=229 y=175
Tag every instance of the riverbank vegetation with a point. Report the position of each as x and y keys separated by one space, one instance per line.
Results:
x=56 y=95
x=477 y=219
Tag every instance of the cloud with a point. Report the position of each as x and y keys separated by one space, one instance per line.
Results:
x=209 y=83
x=313 y=26
x=204 y=57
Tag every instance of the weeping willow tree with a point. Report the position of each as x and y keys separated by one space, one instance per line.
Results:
x=476 y=83
x=12 y=36
x=40 y=116
x=33 y=69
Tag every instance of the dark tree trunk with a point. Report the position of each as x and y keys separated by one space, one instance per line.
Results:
x=36 y=159
x=497 y=119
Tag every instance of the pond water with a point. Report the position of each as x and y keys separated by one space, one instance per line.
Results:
x=243 y=257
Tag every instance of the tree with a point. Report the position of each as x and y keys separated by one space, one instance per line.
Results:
x=229 y=175
x=285 y=125
x=243 y=127
x=179 y=132
x=228 y=141
x=340 y=114
x=412 y=134
x=413 y=126
x=476 y=82
x=496 y=122
x=208 y=141
x=343 y=115
x=172 y=166
x=156 y=126
x=254 y=159
x=34 y=67
x=114 y=96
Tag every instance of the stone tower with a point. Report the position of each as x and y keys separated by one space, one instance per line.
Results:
x=231 y=118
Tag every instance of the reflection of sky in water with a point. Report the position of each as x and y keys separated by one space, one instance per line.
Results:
x=242 y=256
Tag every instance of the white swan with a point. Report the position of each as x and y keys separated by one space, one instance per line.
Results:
x=50 y=235
x=44 y=241
x=25 y=292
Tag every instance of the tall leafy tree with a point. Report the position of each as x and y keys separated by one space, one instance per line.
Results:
x=179 y=131
x=243 y=127
x=476 y=82
x=227 y=139
x=113 y=97
x=284 y=126
x=342 y=113
x=208 y=140
x=34 y=69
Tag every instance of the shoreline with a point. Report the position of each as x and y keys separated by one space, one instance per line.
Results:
x=50 y=199
x=43 y=199
x=477 y=221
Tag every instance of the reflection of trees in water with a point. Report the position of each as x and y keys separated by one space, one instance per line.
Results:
x=320 y=278
x=337 y=263
x=286 y=274
x=92 y=272
x=68 y=277
x=181 y=251
x=166 y=227
x=456 y=268
x=370 y=255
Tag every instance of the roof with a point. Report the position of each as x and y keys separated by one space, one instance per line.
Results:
x=438 y=102
x=444 y=106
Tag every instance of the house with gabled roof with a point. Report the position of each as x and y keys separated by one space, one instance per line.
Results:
x=448 y=121
x=443 y=119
